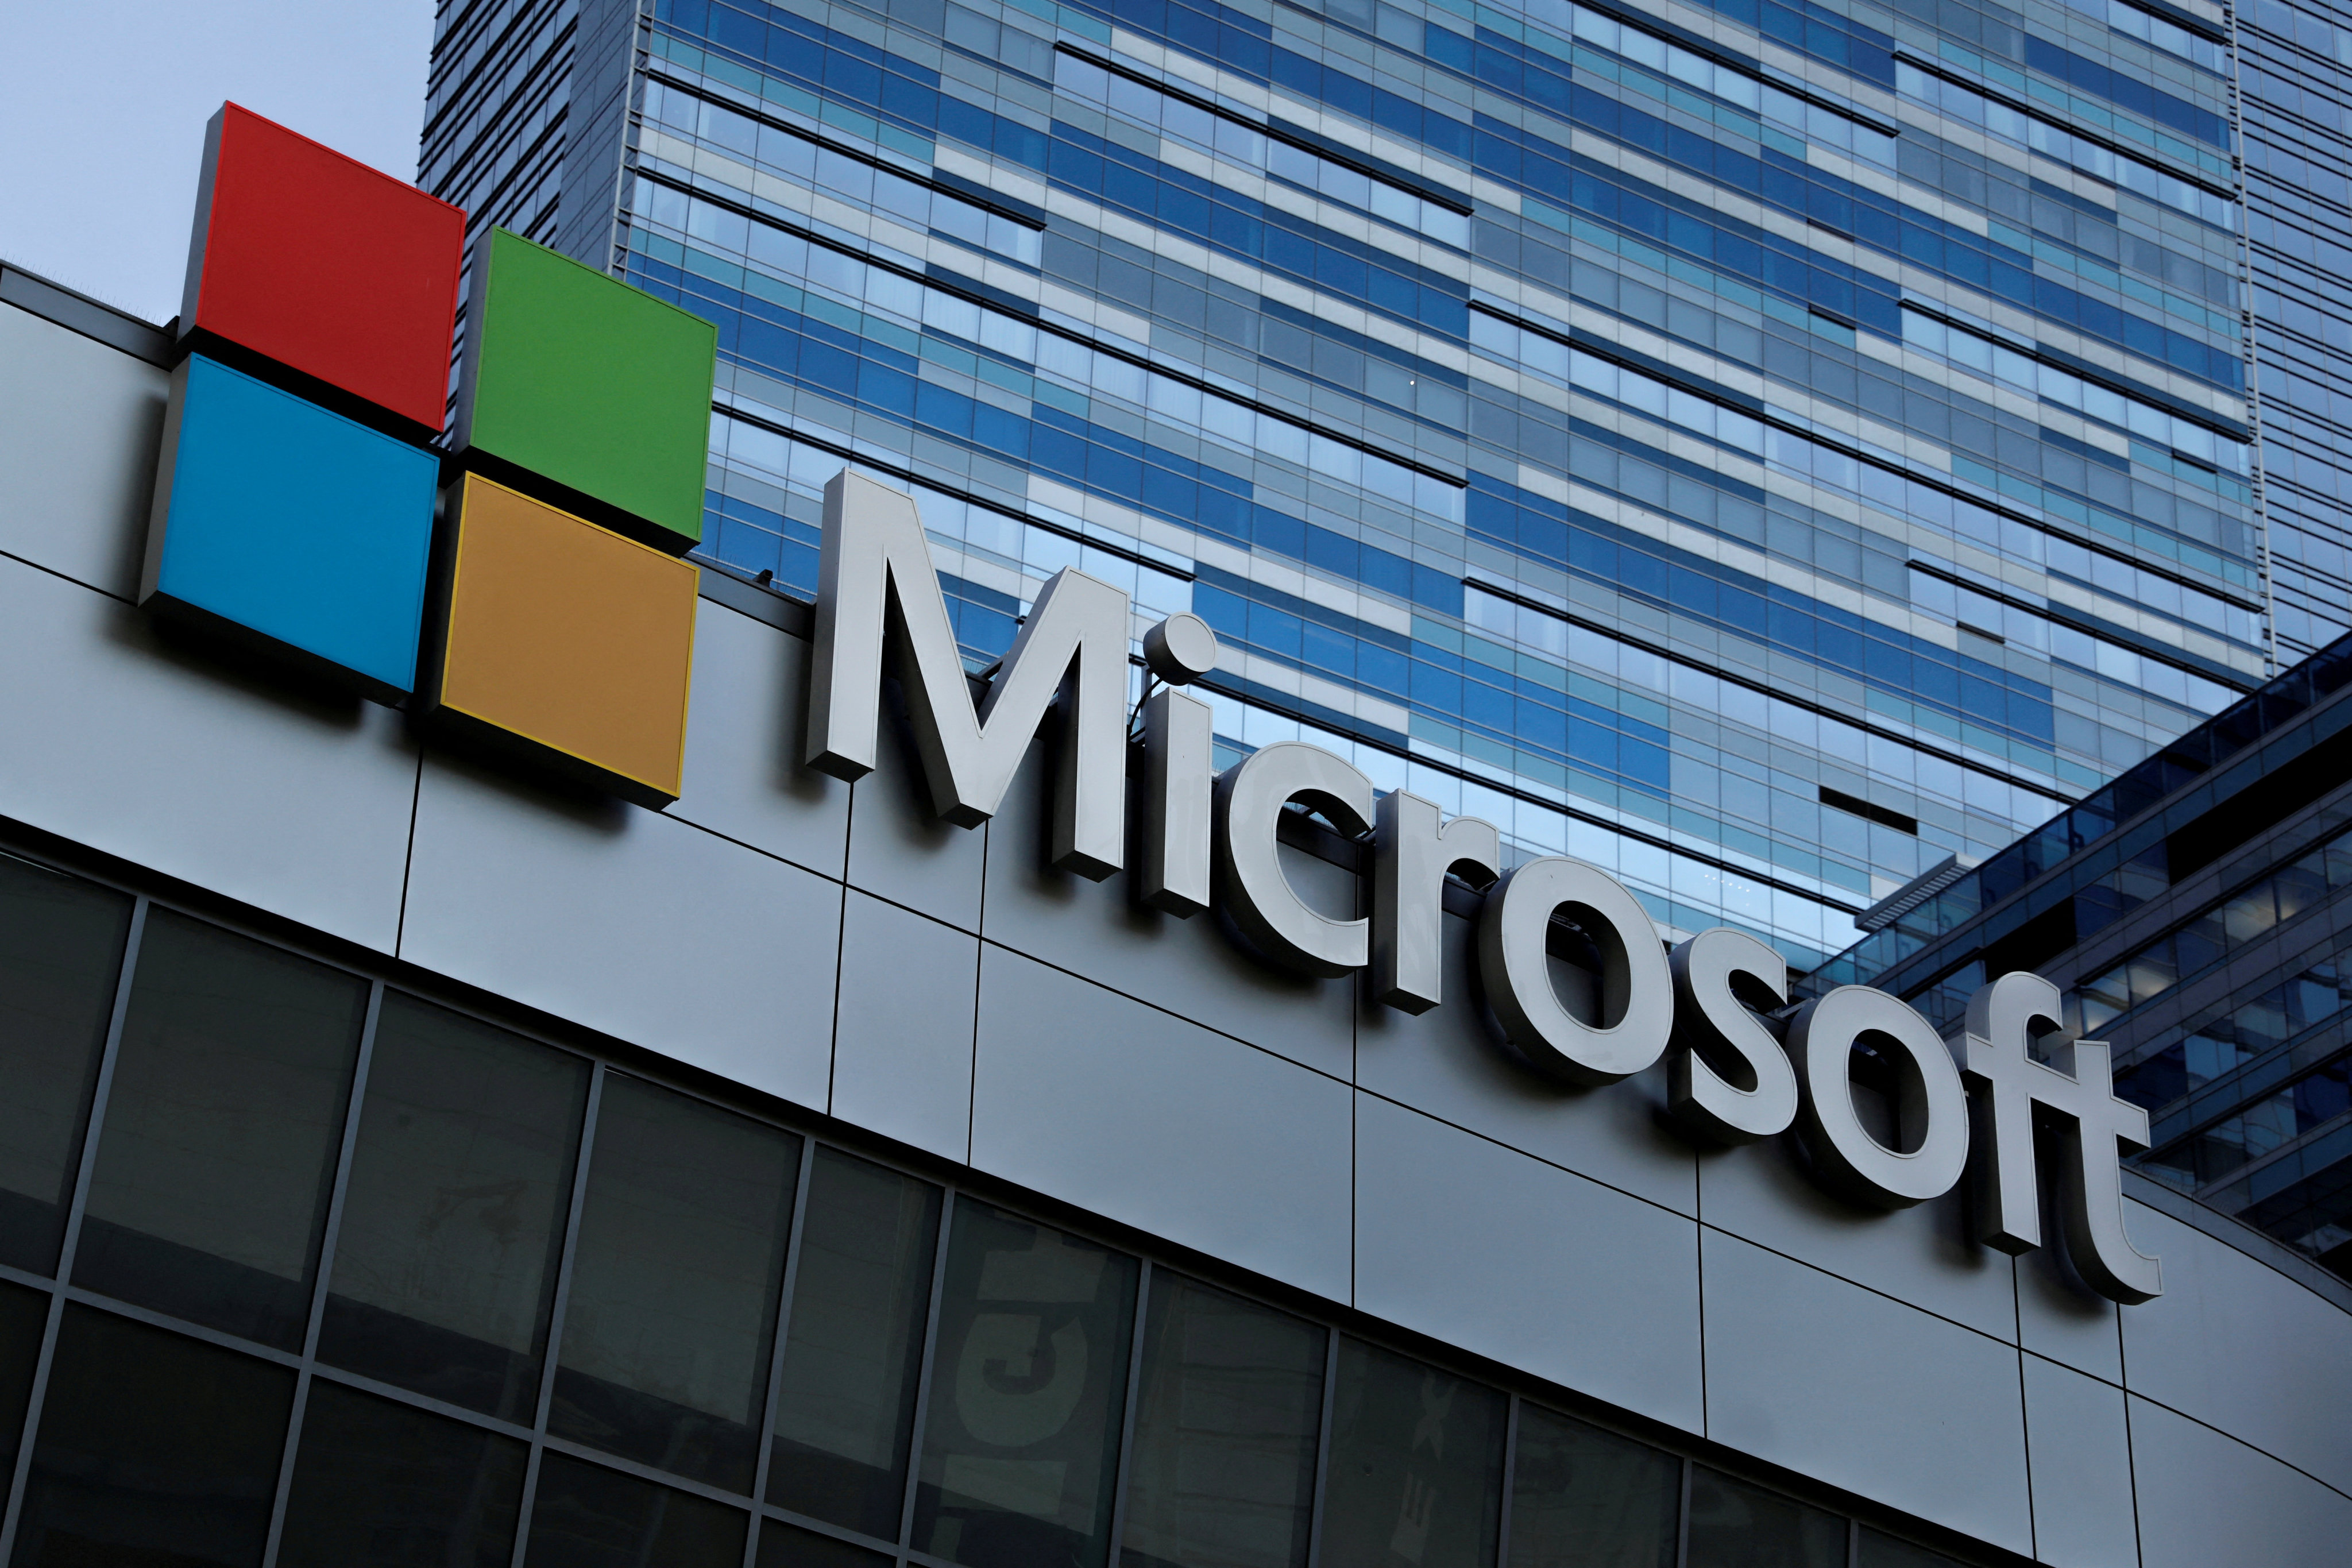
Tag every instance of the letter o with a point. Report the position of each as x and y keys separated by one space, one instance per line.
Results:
x=1931 y=1109
x=1635 y=988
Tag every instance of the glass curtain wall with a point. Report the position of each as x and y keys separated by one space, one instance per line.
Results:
x=305 y=1271
x=1762 y=449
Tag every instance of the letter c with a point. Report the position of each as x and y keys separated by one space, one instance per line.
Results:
x=1264 y=908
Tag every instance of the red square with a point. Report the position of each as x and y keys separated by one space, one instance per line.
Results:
x=325 y=266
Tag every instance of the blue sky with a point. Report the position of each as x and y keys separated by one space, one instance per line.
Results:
x=103 y=104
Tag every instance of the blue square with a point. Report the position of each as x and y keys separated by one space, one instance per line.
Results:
x=290 y=528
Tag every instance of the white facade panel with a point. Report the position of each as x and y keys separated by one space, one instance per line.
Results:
x=742 y=779
x=1923 y=1255
x=2209 y=1501
x=1135 y=1114
x=902 y=1045
x=1448 y=1063
x=651 y=930
x=2080 y=1448
x=1538 y=1267
x=899 y=850
x=1099 y=929
x=2236 y=1344
x=1858 y=1390
x=79 y=426
x=114 y=739
x=2057 y=1318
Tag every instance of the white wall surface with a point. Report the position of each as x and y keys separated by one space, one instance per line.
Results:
x=1050 y=1033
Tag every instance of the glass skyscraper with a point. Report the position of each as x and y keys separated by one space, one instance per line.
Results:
x=1766 y=449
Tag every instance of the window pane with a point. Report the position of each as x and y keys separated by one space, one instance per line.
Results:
x=1223 y=1468
x=60 y=951
x=674 y=1284
x=1579 y=1495
x=221 y=1128
x=1028 y=1388
x=586 y=1516
x=846 y=1404
x=1886 y=1552
x=1416 y=1467
x=1735 y=1525
x=152 y=1448
x=781 y=1546
x=380 y=1485
x=24 y=1314
x=444 y=1259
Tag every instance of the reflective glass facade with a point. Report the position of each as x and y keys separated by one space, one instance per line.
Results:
x=2199 y=912
x=303 y=1269
x=1761 y=448
x=2298 y=180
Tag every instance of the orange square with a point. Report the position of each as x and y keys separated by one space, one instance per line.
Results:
x=567 y=640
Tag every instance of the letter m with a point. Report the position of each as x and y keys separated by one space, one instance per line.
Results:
x=876 y=589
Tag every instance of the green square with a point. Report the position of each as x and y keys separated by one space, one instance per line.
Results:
x=576 y=379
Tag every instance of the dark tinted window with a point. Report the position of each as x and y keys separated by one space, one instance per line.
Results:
x=586 y=1516
x=153 y=1449
x=846 y=1400
x=1735 y=1525
x=380 y=1485
x=782 y=1546
x=24 y=1315
x=1225 y=1424
x=1416 y=1465
x=220 y=1131
x=1886 y=1552
x=1028 y=1383
x=445 y=1256
x=1579 y=1495
x=60 y=953
x=674 y=1284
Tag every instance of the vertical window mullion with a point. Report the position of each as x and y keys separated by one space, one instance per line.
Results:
x=776 y=1348
x=1682 y=1519
x=1510 y=1482
x=325 y=1269
x=73 y=1228
x=948 y=1200
x=555 y=1307
x=1320 y=1486
x=1143 y=1281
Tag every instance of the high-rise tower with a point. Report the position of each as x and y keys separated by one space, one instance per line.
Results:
x=1763 y=449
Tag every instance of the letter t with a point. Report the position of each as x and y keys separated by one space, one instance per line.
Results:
x=2097 y=1129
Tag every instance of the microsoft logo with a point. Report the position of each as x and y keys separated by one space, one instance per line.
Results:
x=522 y=590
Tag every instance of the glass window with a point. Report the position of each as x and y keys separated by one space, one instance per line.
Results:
x=153 y=1448
x=220 y=1133
x=60 y=951
x=1225 y=1424
x=585 y=1516
x=445 y=1256
x=1416 y=1465
x=1735 y=1525
x=846 y=1406
x=783 y=1546
x=1579 y=1495
x=1028 y=1385
x=1886 y=1552
x=23 y=1316
x=2301 y=885
x=2250 y=914
x=380 y=1485
x=674 y=1284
